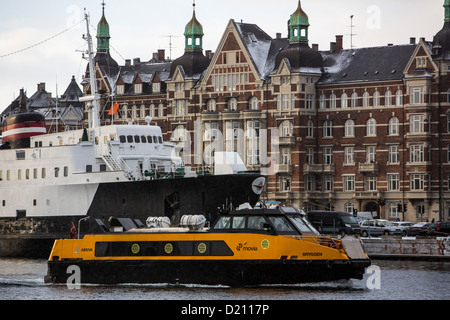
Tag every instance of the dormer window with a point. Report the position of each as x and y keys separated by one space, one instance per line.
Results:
x=121 y=89
x=138 y=88
x=156 y=87
x=421 y=62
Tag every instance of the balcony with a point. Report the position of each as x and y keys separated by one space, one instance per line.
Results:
x=369 y=168
x=318 y=196
x=283 y=169
x=367 y=195
x=319 y=169
x=288 y=141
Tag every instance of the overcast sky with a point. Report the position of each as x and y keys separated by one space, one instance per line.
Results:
x=141 y=27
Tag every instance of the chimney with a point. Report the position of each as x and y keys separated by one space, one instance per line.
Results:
x=161 y=54
x=155 y=56
x=41 y=87
x=315 y=46
x=208 y=54
x=128 y=62
x=23 y=101
x=278 y=35
x=332 y=47
x=339 y=43
x=412 y=40
x=136 y=61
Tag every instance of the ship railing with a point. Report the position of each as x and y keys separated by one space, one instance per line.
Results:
x=115 y=161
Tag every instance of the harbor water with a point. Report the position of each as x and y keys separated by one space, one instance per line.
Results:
x=386 y=280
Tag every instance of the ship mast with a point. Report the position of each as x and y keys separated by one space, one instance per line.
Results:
x=92 y=100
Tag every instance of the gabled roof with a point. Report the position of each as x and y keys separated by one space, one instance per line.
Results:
x=72 y=93
x=366 y=64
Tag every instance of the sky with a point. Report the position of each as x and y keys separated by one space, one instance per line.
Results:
x=54 y=28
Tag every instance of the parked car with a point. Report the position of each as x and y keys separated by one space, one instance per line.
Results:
x=405 y=226
x=378 y=228
x=443 y=228
x=333 y=222
x=424 y=228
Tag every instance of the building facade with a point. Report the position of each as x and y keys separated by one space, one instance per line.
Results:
x=347 y=129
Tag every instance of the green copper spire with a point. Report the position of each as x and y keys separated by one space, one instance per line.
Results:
x=103 y=35
x=194 y=34
x=298 y=25
x=447 y=10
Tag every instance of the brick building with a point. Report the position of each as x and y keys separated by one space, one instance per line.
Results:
x=365 y=129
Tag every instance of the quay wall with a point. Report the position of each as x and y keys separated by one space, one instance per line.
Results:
x=407 y=248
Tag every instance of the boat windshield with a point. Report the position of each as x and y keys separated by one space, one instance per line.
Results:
x=303 y=225
x=282 y=225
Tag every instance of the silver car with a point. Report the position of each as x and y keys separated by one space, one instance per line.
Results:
x=378 y=228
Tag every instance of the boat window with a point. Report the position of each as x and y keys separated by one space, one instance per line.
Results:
x=155 y=139
x=238 y=223
x=123 y=139
x=303 y=225
x=137 y=139
x=256 y=222
x=223 y=223
x=130 y=139
x=144 y=139
x=160 y=140
x=149 y=139
x=281 y=225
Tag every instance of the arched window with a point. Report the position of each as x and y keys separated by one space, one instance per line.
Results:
x=232 y=104
x=366 y=99
x=371 y=127
x=388 y=98
x=393 y=126
x=286 y=128
x=376 y=99
x=344 y=100
x=180 y=132
x=350 y=128
x=142 y=111
x=160 y=110
x=323 y=102
x=354 y=100
x=399 y=98
x=211 y=105
x=333 y=101
x=125 y=112
x=253 y=103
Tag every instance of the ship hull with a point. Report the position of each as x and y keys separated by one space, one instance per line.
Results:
x=135 y=200
x=230 y=273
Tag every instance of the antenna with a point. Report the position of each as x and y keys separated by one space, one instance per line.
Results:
x=170 y=44
x=351 y=32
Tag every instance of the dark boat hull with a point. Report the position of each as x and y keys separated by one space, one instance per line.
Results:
x=135 y=200
x=230 y=273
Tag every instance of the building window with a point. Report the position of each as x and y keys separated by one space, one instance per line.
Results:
x=366 y=99
x=393 y=211
x=160 y=110
x=211 y=105
x=349 y=207
x=327 y=156
x=328 y=128
x=393 y=182
x=310 y=183
x=388 y=98
x=399 y=98
x=310 y=129
x=309 y=101
x=371 y=127
x=232 y=104
x=344 y=101
x=253 y=104
x=323 y=102
x=286 y=156
x=416 y=124
x=393 y=155
x=333 y=101
x=156 y=87
x=371 y=154
x=138 y=88
x=394 y=127
x=416 y=95
x=354 y=100
x=349 y=158
x=286 y=128
x=310 y=156
x=376 y=99
x=417 y=182
x=120 y=89
x=285 y=184
x=417 y=153
x=253 y=128
x=370 y=183
x=349 y=183
x=328 y=183
x=350 y=128
x=142 y=112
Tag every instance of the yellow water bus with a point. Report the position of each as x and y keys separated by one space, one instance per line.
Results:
x=241 y=248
